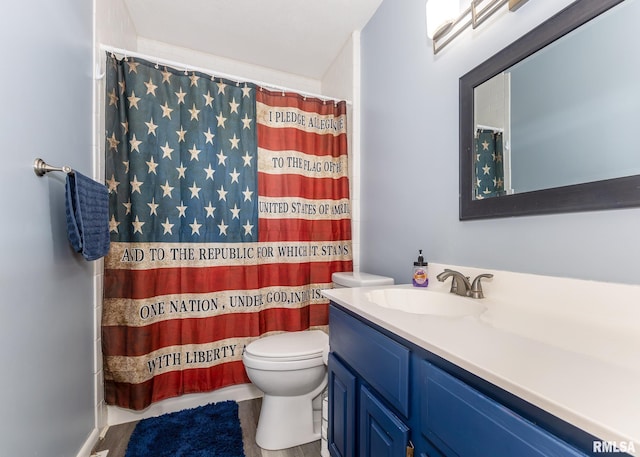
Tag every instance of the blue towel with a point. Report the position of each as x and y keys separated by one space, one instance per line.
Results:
x=87 y=209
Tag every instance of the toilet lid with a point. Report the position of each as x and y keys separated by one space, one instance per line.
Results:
x=290 y=345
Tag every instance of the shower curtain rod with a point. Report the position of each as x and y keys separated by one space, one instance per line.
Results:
x=183 y=66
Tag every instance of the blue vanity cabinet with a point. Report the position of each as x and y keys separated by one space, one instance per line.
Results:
x=385 y=394
x=368 y=390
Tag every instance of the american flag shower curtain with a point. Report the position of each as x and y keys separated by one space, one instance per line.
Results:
x=229 y=210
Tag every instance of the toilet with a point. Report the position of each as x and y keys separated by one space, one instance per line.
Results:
x=359 y=279
x=290 y=369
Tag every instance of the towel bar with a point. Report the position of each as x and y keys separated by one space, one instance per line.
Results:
x=40 y=167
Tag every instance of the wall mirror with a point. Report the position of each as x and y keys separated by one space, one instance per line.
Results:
x=548 y=124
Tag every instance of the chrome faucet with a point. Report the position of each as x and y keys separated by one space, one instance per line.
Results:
x=460 y=284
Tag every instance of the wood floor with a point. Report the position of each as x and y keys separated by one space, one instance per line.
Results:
x=117 y=437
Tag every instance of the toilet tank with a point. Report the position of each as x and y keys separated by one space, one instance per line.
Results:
x=358 y=279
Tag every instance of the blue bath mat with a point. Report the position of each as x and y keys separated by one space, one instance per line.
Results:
x=211 y=430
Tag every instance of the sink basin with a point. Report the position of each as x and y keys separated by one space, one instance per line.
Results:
x=419 y=301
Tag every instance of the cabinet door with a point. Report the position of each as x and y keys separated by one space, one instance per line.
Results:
x=382 y=434
x=341 y=434
x=461 y=421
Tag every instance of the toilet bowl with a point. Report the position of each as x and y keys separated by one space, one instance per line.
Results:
x=290 y=369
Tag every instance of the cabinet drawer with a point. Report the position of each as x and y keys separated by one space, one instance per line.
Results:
x=461 y=421
x=383 y=362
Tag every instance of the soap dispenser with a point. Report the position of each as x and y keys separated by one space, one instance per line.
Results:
x=420 y=273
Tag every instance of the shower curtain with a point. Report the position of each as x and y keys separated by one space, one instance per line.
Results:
x=489 y=164
x=229 y=211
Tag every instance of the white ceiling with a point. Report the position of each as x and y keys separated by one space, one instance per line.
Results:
x=302 y=37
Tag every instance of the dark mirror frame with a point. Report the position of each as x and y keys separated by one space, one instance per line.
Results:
x=606 y=194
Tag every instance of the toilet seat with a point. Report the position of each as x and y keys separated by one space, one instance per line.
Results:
x=287 y=351
x=289 y=346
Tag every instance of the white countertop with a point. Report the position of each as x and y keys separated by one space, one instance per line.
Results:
x=569 y=358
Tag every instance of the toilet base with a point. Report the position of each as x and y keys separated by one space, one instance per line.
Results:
x=286 y=422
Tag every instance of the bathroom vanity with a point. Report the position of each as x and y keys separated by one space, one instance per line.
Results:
x=462 y=385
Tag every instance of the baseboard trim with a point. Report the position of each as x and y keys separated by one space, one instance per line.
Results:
x=117 y=415
x=89 y=444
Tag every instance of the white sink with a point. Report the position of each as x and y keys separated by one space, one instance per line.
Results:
x=420 y=301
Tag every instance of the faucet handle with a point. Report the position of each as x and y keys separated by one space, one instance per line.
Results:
x=476 y=286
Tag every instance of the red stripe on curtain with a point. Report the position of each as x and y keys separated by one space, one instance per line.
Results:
x=161 y=387
x=305 y=230
x=293 y=100
x=299 y=186
x=286 y=139
x=164 y=281
x=197 y=331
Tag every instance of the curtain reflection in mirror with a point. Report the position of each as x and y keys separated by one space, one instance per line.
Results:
x=489 y=163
